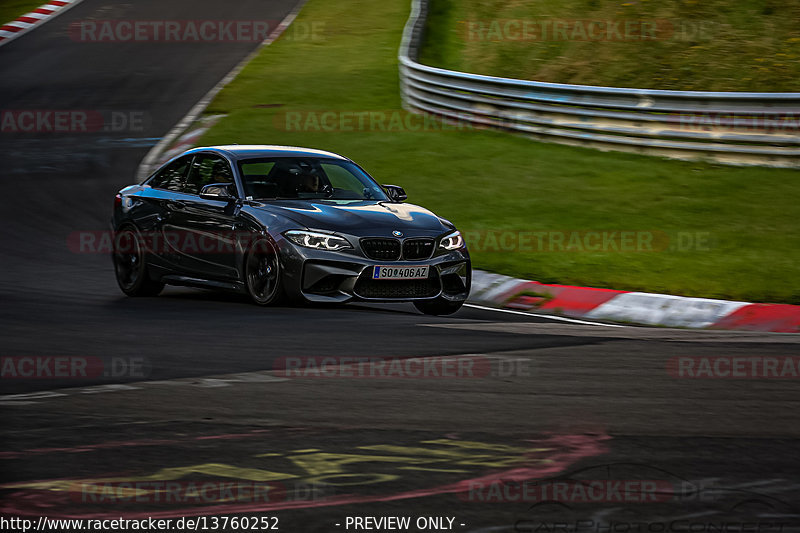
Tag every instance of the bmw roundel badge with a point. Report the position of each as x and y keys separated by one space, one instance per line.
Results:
x=397 y=233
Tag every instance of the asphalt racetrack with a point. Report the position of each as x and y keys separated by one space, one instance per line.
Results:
x=495 y=450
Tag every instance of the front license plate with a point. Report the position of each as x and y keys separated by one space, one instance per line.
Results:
x=400 y=272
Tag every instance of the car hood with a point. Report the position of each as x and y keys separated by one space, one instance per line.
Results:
x=362 y=218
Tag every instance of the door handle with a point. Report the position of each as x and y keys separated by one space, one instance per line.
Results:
x=176 y=204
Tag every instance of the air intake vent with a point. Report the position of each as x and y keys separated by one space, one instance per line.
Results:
x=381 y=249
x=417 y=249
x=366 y=287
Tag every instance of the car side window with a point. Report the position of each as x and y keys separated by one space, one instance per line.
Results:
x=254 y=178
x=346 y=185
x=340 y=178
x=173 y=176
x=207 y=169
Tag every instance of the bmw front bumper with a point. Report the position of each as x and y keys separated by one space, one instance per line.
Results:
x=339 y=277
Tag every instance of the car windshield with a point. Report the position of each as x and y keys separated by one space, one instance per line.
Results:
x=310 y=178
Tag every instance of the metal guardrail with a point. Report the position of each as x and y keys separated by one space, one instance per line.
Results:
x=726 y=127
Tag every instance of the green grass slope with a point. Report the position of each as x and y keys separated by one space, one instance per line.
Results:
x=490 y=182
x=705 y=45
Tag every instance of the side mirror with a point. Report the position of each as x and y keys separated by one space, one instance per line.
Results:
x=396 y=193
x=218 y=191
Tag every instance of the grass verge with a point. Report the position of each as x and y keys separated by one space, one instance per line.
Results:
x=311 y=86
x=709 y=45
x=12 y=9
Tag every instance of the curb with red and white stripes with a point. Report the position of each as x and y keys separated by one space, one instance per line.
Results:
x=502 y=291
x=37 y=17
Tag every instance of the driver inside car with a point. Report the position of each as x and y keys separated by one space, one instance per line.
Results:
x=309 y=183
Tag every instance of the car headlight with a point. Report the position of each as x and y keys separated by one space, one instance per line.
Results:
x=452 y=241
x=318 y=241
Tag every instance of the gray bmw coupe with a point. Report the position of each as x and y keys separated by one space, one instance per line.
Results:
x=278 y=223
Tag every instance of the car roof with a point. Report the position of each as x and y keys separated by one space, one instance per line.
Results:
x=245 y=151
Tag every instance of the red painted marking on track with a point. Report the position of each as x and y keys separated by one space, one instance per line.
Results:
x=44 y=10
x=577 y=447
x=29 y=20
x=13 y=29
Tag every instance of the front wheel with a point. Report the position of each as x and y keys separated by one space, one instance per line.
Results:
x=262 y=273
x=130 y=265
x=438 y=306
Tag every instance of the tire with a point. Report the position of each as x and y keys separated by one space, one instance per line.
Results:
x=262 y=273
x=439 y=306
x=130 y=265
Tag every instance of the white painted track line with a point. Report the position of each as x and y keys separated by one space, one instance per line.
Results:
x=549 y=317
